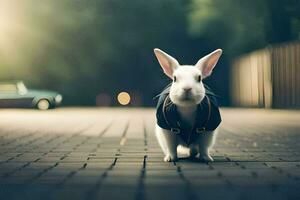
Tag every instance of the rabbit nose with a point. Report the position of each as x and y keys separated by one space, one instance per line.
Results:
x=187 y=89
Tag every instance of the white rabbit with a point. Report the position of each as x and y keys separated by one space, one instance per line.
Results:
x=187 y=116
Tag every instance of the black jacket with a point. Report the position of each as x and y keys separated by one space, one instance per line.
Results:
x=208 y=117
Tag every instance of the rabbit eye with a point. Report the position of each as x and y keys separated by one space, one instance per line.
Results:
x=199 y=78
x=174 y=79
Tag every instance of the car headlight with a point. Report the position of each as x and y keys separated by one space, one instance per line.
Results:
x=58 y=99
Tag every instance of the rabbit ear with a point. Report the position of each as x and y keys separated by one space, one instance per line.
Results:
x=208 y=62
x=167 y=62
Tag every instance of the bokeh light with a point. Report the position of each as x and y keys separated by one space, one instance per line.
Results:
x=124 y=98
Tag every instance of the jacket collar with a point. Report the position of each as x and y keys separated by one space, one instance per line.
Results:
x=202 y=118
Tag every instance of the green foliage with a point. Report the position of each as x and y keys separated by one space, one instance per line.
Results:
x=243 y=25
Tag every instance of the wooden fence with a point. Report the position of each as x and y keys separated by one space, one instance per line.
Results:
x=267 y=78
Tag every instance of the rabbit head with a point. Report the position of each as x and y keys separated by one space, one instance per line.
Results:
x=187 y=88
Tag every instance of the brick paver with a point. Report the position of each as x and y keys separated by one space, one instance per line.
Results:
x=74 y=153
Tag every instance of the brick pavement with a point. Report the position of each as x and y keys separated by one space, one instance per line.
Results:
x=85 y=153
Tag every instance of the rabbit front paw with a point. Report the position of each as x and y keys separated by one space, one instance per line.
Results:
x=206 y=158
x=169 y=158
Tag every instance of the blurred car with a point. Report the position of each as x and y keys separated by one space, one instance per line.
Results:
x=16 y=95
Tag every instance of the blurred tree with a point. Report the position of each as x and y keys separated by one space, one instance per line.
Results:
x=241 y=26
x=83 y=48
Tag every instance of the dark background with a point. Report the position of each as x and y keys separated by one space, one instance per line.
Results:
x=83 y=48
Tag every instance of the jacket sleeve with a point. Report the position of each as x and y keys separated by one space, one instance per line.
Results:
x=216 y=116
x=160 y=120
